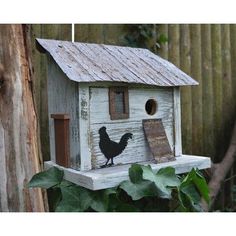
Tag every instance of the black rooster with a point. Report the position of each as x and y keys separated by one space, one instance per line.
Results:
x=109 y=148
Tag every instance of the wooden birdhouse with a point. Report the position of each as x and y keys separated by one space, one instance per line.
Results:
x=112 y=106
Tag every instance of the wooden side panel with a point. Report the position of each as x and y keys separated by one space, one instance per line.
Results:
x=85 y=155
x=63 y=97
x=137 y=149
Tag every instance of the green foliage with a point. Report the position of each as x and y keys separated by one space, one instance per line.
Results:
x=146 y=190
x=144 y=36
x=47 y=179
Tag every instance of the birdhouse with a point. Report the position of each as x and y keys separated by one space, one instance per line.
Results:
x=111 y=106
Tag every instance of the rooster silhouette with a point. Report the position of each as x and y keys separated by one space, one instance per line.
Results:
x=111 y=149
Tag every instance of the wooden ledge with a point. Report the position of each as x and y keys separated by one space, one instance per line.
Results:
x=113 y=176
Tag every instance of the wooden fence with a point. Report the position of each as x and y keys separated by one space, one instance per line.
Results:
x=205 y=52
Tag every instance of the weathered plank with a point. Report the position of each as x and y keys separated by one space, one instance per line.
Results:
x=177 y=122
x=186 y=95
x=85 y=144
x=196 y=73
x=226 y=86
x=114 y=33
x=207 y=94
x=137 y=149
x=50 y=31
x=63 y=97
x=173 y=44
x=113 y=176
x=217 y=89
x=163 y=51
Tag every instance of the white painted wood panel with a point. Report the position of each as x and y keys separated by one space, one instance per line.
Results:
x=63 y=97
x=177 y=122
x=85 y=154
x=137 y=149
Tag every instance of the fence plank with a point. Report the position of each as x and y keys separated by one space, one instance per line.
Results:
x=196 y=73
x=114 y=34
x=186 y=95
x=162 y=29
x=217 y=88
x=227 y=86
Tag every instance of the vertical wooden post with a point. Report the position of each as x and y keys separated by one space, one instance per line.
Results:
x=196 y=73
x=186 y=95
x=85 y=153
x=173 y=44
x=217 y=87
x=228 y=108
x=163 y=51
x=233 y=71
x=177 y=122
x=207 y=95
x=62 y=139
x=227 y=85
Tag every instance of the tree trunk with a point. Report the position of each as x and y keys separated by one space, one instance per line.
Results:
x=19 y=143
x=220 y=170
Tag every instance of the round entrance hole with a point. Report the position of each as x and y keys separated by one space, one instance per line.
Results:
x=151 y=107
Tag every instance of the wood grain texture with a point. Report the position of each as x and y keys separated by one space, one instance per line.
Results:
x=217 y=88
x=207 y=95
x=163 y=51
x=84 y=124
x=113 y=176
x=227 y=109
x=19 y=149
x=137 y=149
x=49 y=31
x=186 y=94
x=177 y=122
x=63 y=97
x=196 y=72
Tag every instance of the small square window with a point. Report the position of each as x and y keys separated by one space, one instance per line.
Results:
x=118 y=103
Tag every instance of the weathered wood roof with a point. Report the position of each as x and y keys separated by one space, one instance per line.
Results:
x=85 y=62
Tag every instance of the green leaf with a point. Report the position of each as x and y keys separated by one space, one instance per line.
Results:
x=100 y=200
x=202 y=186
x=135 y=173
x=46 y=179
x=163 y=179
x=54 y=198
x=199 y=181
x=74 y=199
x=191 y=190
x=139 y=190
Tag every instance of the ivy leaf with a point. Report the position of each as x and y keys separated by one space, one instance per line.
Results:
x=100 y=200
x=135 y=173
x=191 y=190
x=163 y=179
x=46 y=179
x=139 y=190
x=74 y=199
x=199 y=181
x=54 y=198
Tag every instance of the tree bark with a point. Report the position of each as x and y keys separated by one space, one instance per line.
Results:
x=19 y=143
x=220 y=171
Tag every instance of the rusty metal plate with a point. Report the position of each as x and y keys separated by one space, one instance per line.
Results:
x=157 y=140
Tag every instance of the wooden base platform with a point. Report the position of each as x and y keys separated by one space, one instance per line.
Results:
x=113 y=176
